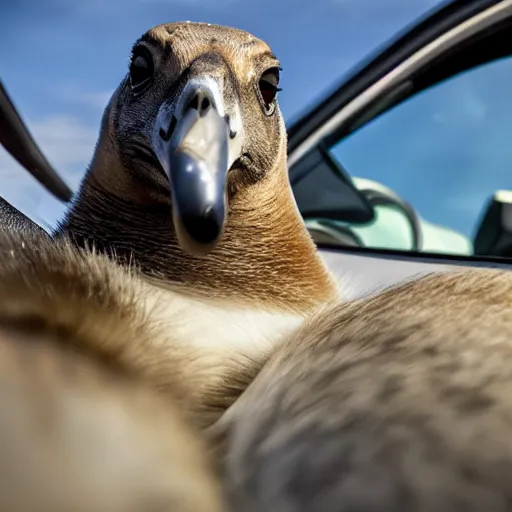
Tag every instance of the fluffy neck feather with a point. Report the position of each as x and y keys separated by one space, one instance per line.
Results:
x=265 y=257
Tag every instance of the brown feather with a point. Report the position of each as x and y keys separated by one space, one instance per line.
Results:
x=94 y=410
x=398 y=402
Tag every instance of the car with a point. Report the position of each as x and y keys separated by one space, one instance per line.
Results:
x=406 y=167
x=380 y=165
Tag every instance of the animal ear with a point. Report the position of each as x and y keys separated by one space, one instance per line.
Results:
x=16 y=139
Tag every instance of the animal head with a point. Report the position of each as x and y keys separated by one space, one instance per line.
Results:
x=194 y=122
x=189 y=178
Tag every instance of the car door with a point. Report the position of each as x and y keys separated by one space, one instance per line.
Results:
x=422 y=132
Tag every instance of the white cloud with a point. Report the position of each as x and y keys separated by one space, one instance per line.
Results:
x=95 y=99
x=65 y=140
x=68 y=144
x=73 y=93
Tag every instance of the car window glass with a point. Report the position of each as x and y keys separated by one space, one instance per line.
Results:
x=445 y=151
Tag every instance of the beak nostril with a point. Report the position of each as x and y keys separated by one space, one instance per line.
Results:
x=194 y=102
x=205 y=104
x=201 y=102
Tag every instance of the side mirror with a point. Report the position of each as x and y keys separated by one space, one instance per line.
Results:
x=328 y=192
x=494 y=235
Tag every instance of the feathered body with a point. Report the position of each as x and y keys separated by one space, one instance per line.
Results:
x=138 y=375
x=397 y=402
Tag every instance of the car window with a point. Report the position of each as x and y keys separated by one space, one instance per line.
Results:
x=446 y=151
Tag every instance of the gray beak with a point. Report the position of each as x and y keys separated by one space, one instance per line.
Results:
x=193 y=148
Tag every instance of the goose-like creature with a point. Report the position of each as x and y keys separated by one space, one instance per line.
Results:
x=189 y=185
x=182 y=262
x=182 y=298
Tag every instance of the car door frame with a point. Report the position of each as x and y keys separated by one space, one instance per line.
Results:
x=371 y=70
x=432 y=36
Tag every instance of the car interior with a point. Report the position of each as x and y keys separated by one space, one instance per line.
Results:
x=352 y=211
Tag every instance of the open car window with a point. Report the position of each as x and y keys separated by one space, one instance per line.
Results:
x=445 y=152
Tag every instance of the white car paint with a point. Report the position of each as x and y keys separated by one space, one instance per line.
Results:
x=361 y=274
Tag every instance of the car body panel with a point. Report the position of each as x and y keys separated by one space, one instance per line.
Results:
x=361 y=273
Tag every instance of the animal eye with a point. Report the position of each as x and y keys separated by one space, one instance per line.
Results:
x=268 y=87
x=141 y=70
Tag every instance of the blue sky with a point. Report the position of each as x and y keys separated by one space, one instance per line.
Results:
x=65 y=57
